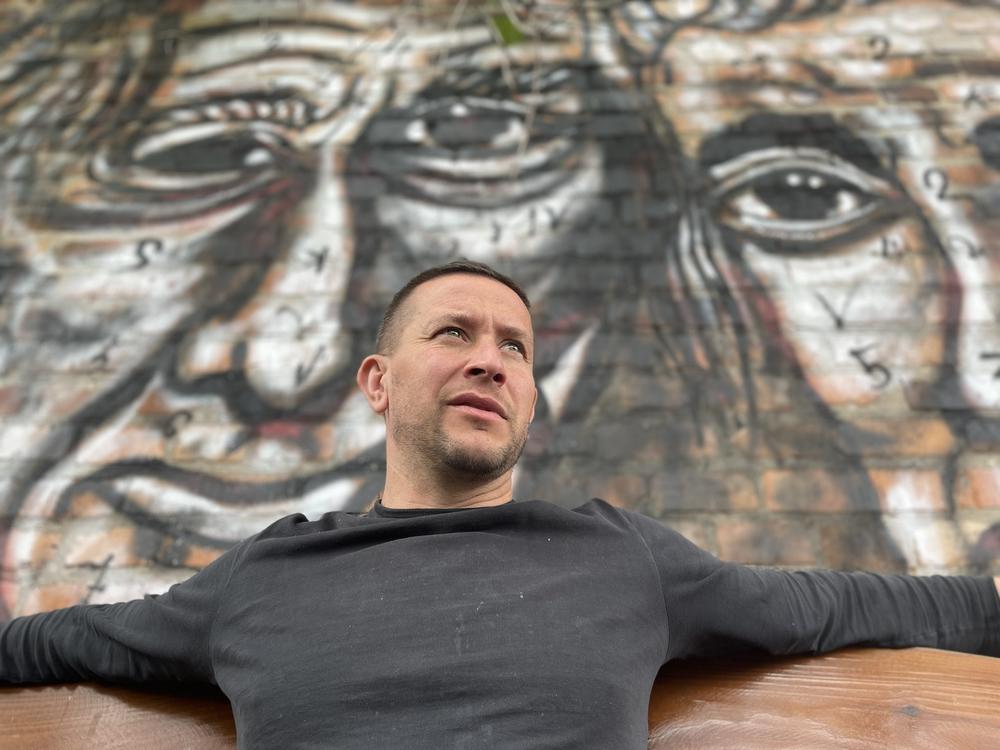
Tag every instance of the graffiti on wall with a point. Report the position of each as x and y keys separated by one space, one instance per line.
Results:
x=759 y=238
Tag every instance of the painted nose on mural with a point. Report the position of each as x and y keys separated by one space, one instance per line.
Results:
x=978 y=352
x=289 y=338
x=964 y=234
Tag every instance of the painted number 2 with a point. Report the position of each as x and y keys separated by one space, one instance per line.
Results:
x=936 y=180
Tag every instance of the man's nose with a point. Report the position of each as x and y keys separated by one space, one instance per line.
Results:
x=289 y=336
x=487 y=363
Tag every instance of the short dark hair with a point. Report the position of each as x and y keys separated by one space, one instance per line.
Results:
x=385 y=339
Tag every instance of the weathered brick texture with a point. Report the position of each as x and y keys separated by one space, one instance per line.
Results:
x=760 y=238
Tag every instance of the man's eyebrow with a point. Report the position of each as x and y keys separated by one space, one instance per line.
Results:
x=471 y=321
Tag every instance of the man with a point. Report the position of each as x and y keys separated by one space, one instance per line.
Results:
x=453 y=616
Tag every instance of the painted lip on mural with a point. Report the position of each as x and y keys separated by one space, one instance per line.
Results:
x=198 y=507
x=481 y=406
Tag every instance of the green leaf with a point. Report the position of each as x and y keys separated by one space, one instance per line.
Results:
x=507 y=29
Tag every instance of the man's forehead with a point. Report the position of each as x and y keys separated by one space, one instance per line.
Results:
x=469 y=297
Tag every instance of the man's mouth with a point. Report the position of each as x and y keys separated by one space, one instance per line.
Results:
x=479 y=406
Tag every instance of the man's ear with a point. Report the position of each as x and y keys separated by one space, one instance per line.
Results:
x=371 y=381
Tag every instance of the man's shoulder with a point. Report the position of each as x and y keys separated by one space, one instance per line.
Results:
x=597 y=510
x=594 y=510
x=298 y=524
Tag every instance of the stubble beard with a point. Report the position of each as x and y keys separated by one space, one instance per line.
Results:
x=437 y=448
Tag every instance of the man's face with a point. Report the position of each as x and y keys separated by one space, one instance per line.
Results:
x=459 y=381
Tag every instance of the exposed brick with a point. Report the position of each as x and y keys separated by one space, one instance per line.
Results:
x=930 y=542
x=984 y=552
x=978 y=487
x=621 y=490
x=702 y=491
x=198 y=557
x=895 y=437
x=918 y=20
x=85 y=503
x=814 y=490
x=52 y=596
x=701 y=533
x=44 y=549
x=767 y=541
x=859 y=542
x=970 y=21
x=112 y=547
x=909 y=490
x=11 y=400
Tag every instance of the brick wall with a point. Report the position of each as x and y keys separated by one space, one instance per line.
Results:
x=760 y=239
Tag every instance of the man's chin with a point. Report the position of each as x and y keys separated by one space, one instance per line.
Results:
x=477 y=459
x=477 y=464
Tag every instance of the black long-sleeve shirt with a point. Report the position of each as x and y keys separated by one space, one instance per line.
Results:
x=525 y=626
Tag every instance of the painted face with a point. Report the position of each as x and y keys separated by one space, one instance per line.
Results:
x=836 y=200
x=846 y=199
x=215 y=249
x=460 y=387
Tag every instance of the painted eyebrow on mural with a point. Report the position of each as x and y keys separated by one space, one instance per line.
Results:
x=222 y=48
x=770 y=130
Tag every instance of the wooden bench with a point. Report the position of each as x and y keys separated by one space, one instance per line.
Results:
x=851 y=700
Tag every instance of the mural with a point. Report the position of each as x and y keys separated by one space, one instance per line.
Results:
x=760 y=238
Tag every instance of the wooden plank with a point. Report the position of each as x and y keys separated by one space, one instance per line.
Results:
x=71 y=717
x=858 y=699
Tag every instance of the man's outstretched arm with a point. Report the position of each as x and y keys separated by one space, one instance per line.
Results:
x=716 y=607
x=162 y=638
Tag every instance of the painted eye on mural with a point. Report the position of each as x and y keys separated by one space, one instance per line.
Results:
x=485 y=145
x=986 y=137
x=801 y=195
x=211 y=153
x=468 y=125
x=192 y=156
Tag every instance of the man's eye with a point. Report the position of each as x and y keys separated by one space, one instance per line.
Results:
x=514 y=346
x=451 y=331
x=801 y=195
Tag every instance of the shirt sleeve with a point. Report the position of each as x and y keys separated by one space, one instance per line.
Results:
x=715 y=607
x=160 y=638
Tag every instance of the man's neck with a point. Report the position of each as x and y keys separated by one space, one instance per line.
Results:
x=404 y=491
